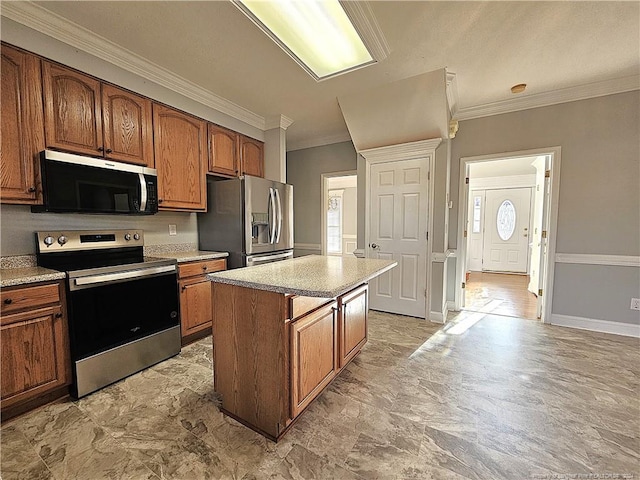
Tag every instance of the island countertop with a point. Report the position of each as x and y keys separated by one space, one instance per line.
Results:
x=312 y=275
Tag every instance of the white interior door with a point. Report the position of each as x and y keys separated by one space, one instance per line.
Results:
x=398 y=231
x=506 y=230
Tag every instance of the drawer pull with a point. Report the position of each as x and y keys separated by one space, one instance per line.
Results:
x=58 y=315
x=7 y=301
x=204 y=267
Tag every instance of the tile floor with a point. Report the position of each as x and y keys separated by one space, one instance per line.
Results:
x=483 y=398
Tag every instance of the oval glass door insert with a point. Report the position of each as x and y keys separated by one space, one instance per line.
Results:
x=506 y=220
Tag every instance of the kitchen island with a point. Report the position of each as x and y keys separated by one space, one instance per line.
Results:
x=283 y=331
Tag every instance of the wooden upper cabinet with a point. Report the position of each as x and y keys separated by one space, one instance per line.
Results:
x=72 y=110
x=223 y=151
x=180 y=147
x=22 y=127
x=128 y=128
x=251 y=156
x=86 y=116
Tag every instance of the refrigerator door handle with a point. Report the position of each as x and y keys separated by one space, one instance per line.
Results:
x=279 y=216
x=272 y=217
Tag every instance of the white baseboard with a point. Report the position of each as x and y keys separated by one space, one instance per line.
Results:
x=451 y=305
x=604 y=326
x=436 y=317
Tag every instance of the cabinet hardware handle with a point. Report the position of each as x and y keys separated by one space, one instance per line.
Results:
x=184 y=288
x=109 y=150
x=7 y=301
x=204 y=267
x=160 y=200
x=101 y=149
x=32 y=189
x=58 y=315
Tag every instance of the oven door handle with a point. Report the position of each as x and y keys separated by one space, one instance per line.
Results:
x=105 y=278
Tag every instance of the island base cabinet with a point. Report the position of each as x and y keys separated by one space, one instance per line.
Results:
x=274 y=353
x=353 y=309
x=314 y=355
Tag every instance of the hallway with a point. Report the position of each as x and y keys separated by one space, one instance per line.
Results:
x=500 y=294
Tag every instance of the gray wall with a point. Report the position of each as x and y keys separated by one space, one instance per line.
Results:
x=304 y=171
x=599 y=201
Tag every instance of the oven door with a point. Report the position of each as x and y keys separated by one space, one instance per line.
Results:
x=116 y=308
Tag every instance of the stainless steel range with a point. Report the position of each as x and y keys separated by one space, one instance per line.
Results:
x=122 y=306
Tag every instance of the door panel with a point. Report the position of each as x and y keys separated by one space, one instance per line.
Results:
x=398 y=226
x=506 y=230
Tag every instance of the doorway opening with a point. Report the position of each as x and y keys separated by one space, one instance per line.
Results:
x=339 y=214
x=507 y=226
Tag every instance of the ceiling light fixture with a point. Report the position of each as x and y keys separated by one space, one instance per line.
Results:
x=318 y=35
x=519 y=88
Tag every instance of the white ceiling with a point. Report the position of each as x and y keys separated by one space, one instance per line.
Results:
x=490 y=46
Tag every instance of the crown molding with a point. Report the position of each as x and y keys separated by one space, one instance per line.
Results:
x=59 y=28
x=318 y=141
x=366 y=24
x=403 y=151
x=570 y=94
x=277 y=121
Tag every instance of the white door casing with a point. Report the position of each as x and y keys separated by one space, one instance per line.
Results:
x=506 y=230
x=398 y=231
x=550 y=223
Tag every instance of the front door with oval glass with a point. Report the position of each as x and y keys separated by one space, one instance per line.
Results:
x=506 y=230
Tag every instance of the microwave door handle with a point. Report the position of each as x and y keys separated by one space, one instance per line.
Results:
x=272 y=223
x=143 y=192
x=279 y=217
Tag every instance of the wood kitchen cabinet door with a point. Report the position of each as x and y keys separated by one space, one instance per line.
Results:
x=223 y=151
x=352 y=308
x=314 y=355
x=251 y=156
x=196 y=306
x=34 y=354
x=72 y=110
x=128 y=127
x=22 y=136
x=180 y=150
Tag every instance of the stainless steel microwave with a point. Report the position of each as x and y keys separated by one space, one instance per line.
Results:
x=78 y=184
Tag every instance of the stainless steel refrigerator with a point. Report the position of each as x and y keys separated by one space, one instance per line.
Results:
x=249 y=217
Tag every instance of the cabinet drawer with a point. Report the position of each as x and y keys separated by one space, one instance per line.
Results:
x=300 y=305
x=186 y=270
x=28 y=297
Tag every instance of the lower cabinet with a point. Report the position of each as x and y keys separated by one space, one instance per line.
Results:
x=353 y=309
x=34 y=343
x=196 y=299
x=275 y=353
x=314 y=355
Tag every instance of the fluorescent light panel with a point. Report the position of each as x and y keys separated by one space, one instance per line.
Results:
x=317 y=34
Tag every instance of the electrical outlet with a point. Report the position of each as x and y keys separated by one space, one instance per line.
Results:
x=173 y=230
x=635 y=304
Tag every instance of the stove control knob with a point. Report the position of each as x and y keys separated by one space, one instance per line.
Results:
x=127 y=236
x=62 y=239
x=136 y=236
x=48 y=240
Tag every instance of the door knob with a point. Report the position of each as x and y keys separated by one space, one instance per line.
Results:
x=374 y=246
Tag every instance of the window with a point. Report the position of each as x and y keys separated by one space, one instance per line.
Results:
x=506 y=220
x=334 y=223
x=477 y=206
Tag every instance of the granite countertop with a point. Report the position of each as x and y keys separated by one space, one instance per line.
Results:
x=312 y=275
x=191 y=256
x=10 y=277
